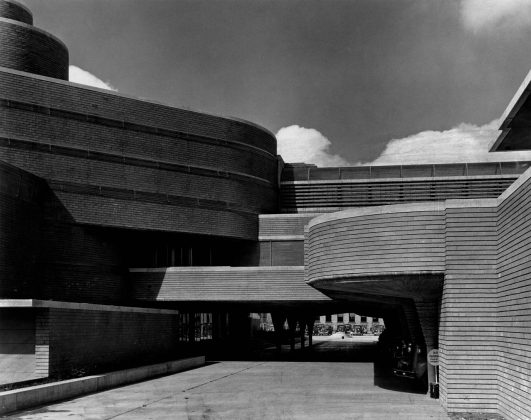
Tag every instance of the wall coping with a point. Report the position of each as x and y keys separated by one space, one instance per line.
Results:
x=402 y=180
x=456 y=203
x=135 y=98
x=216 y=269
x=281 y=238
x=53 y=304
x=515 y=185
x=428 y=206
x=287 y=215
x=21 y=5
x=25 y=398
x=36 y=29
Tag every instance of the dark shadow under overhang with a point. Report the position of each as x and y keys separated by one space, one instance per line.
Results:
x=516 y=121
x=420 y=285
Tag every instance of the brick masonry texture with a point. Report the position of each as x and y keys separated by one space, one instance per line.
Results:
x=283 y=224
x=80 y=341
x=13 y=10
x=222 y=168
x=514 y=310
x=225 y=284
x=84 y=173
x=390 y=243
x=467 y=332
x=28 y=49
x=17 y=345
x=74 y=100
x=20 y=223
x=483 y=249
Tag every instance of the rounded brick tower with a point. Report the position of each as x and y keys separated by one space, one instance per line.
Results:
x=26 y=48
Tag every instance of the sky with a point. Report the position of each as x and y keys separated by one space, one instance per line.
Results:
x=340 y=82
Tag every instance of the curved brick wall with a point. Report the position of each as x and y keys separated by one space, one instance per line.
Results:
x=387 y=240
x=20 y=216
x=29 y=49
x=121 y=162
x=11 y=9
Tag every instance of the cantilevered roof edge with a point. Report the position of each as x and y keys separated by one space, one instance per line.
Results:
x=512 y=109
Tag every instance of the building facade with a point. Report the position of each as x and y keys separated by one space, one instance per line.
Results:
x=130 y=227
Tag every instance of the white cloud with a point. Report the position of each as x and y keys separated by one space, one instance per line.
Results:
x=78 y=75
x=464 y=143
x=299 y=144
x=495 y=14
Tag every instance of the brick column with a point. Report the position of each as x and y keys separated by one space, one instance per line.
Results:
x=292 y=323
x=412 y=320
x=191 y=327
x=42 y=342
x=278 y=319
x=309 y=323
x=428 y=312
x=302 y=329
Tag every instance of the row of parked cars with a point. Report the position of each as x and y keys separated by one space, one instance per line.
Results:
x=347 y=329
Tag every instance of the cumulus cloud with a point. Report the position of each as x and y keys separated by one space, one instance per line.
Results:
x=299 y=144
x=478 y=15
x=464 y=143
x=78 y=75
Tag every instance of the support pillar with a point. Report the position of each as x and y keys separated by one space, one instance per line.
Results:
x=428 y=312
x=191 y=327
x=216 y=326
x=292 y=323
x=42 y=343
x=302 y=330
x=310 y=323
x=278 y=319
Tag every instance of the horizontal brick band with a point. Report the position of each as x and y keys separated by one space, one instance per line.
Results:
x=23 y=46
x=146 y=197
x=126 y=125
x=14 y=10
x=126 y=160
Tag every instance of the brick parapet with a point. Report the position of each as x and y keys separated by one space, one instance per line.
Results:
x=32 y=50
x=11 y=9
x=107 y=170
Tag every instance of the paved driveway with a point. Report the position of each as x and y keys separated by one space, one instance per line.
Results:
x=257 y=390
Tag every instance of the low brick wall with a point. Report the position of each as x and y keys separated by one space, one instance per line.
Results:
x=25 y=398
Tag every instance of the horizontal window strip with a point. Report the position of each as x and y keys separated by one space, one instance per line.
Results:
x=126 y=125
x=126 y=160
x=296 y=174
x=373 y=194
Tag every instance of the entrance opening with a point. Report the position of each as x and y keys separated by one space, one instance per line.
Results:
x=396 y=363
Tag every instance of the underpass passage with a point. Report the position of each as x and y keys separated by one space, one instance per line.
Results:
x=335 y=348
x=339 y=347
x=255 y=390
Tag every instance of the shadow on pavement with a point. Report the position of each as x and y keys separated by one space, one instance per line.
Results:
x=321 y=351
x=384 y=378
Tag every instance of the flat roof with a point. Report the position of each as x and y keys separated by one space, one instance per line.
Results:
x=516 y=121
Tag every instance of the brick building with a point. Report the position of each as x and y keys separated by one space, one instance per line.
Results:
x=129 y=227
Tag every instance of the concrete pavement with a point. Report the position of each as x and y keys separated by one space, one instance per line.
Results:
x=258 y=390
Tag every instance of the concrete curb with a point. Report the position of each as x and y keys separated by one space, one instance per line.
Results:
x=24 y=398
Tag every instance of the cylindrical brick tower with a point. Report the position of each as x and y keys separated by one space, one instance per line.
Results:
x=26 y=48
